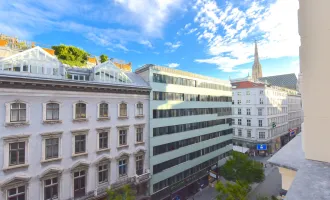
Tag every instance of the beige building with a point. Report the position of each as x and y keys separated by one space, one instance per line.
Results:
x=305 y=162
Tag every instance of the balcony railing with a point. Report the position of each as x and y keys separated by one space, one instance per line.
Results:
x=142 y=178
x=121 y=182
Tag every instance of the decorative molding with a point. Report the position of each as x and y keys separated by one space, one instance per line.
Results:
x=80 y=131
x=121 y=127
x=139 y=116
x=79 y=154
x=53 y=171
x=103 y=158
x=50 y=134
x=51 y=160
x=15 y=167
x=139 y=125
x=80 y=120
x=123 y=154
x=17 y=137
x=123 y=146
x=52 y=122
x=80 y=164
x=140 y=150
x=103 y=119
x=139 y=143
x=122 y=117
x=16 y=124
x=14 y=181
x=102 y=150
x=103 y=129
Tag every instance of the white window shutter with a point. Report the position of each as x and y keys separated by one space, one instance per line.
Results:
x=7 y=112
x=44 y=106
x=98 y=110
x=73 y=111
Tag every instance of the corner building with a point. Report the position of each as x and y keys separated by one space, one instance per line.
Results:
x=69 y=133
x=190 y=129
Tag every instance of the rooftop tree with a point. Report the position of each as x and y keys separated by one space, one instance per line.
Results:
x=71 y=55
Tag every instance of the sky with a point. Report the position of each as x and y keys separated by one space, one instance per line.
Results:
x=209 y=37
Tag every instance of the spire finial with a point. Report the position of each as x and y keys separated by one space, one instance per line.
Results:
x=256 y=68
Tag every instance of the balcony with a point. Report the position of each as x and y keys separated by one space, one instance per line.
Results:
x=122 y=181
x=142 y=178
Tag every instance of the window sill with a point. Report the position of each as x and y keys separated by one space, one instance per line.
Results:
x=103 y=119
x=139 y=116
x=80 y=120
x=101 y=150
x=16 y=166
x=52 y=121
x=123 y=146
x=79 y=154
x=51 y=160
x=123 y=117
x=16 y=124
x=139 y=143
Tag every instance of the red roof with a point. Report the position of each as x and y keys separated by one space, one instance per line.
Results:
x=247 y=84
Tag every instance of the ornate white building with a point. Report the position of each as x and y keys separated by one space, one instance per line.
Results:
x=68 y=133
x=264 y=114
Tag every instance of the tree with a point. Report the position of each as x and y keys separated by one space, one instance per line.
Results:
x=124 y=193
x=71 y=55
x=103 y=58
x=232 y=191
x=240 y=167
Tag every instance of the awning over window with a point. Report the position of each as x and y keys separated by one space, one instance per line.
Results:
x=240 y=149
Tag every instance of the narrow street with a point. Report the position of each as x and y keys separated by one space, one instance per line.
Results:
x=270 y=186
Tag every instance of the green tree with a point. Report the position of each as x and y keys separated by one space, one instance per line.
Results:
x=232 y=191
x=124 y=193
x=240 y=167
x=103 y=58
x=71 y=55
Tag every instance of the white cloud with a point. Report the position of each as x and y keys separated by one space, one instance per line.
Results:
x=146 y=43
x=187 y=25
x=191 y=31
x=173 y=65
x=275 y=26
x=173 y=46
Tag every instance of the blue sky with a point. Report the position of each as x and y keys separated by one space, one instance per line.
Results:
x=209 y=37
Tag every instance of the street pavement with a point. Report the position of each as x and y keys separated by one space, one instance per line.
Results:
x=270 y=186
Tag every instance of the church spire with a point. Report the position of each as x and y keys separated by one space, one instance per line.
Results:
x=256 y=68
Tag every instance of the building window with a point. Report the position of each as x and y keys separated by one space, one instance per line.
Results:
x=248 y=93
x=122 y=137
x=123 y=167
x=239 y=93
x=123 y=110
x=239 y=121
x=52 y=111
x=248 y=133
x=240 y=132
x=17 y=112
x=248 y=122
x=139 y=134
x=233 y=121
x=51 y=188
x=103 y=140
x=239 y=101
x=139 y=164
x=103 y=173
x=80 y=144
x=247 y=101
x=51 y=148
x=260 y=123
x=261 y=92
x=80 y=111
x=16 y=153
x=248 y=111
x=79 y=183
x=233 y=131
x=260 y=111
x=239 y=111
x=103 y=110
x=261 y=101
x=262 y=135
x=139 y=109
x=233 y=102
x=16 y=193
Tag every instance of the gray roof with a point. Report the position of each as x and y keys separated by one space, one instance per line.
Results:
x=312 y=180
x=284 y=80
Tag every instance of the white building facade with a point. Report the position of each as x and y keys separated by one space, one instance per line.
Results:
x=70 y=134
x=190 y=129
x=261 y=114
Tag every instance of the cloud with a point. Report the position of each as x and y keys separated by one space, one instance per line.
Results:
x=172 y=46
x=122 y=47
x=135 y=21
x=192 y=30
x=187 y=26
x=230 y=30
x=173 y=65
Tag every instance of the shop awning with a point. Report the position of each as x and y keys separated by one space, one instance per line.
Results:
x=240 y=149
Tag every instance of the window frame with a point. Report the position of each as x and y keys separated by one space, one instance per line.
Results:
x=137 y=127
x=141 y=156
x=75 y=133
x=53 y=109
x=51 y=135
x=107 y=169
x=103 y=130
x=17 y=194
x=99 y=107
x=44 y=115
x=248 y=133
x=119 y=110
x=260 y=120
x=8 y=121
x=239 y=111
x=15 y=139
x=239 y=121
x=137 y=110
x=75 y=119
x=248 y=122
x=58 y=186
x=262 y=132
x=240 y=132
x=122 y=158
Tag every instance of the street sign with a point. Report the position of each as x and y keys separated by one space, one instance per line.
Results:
x=292 y=132
x=177 y=197
x=261 y=147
